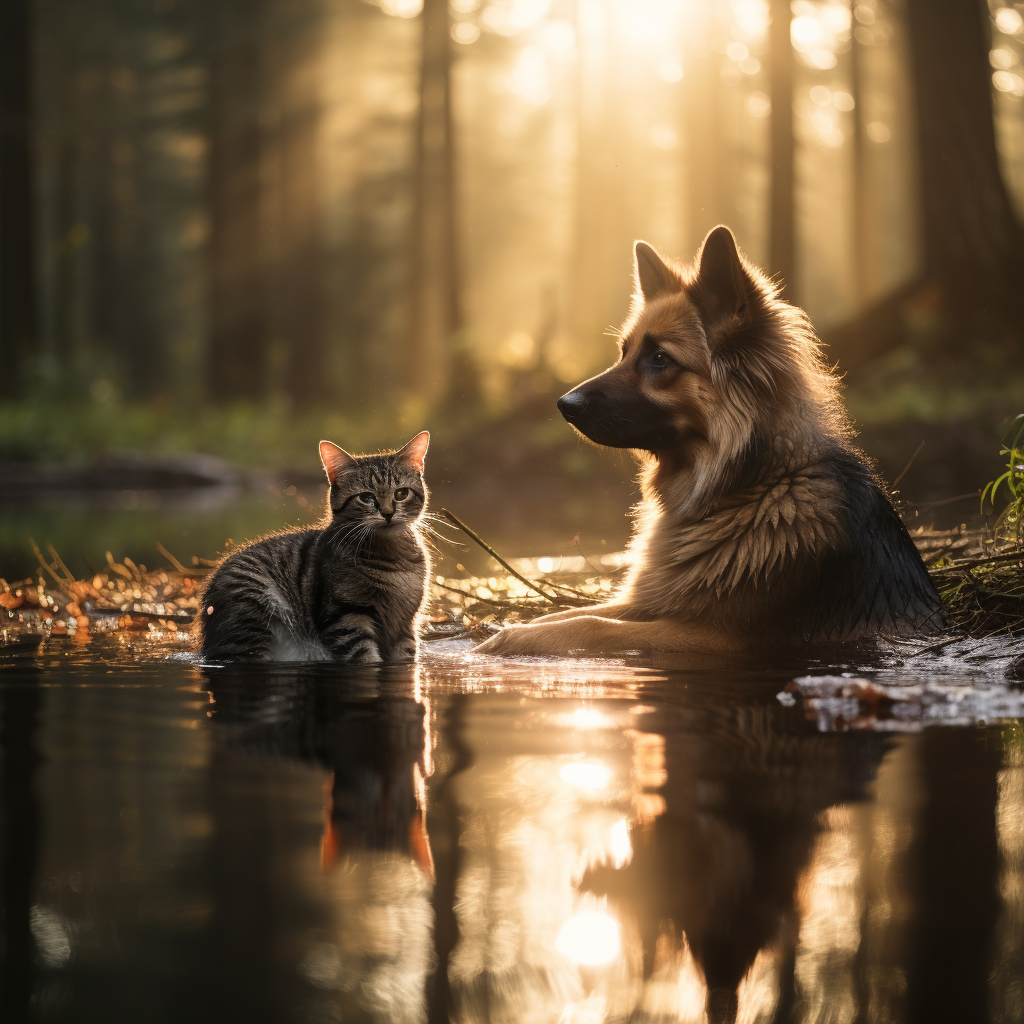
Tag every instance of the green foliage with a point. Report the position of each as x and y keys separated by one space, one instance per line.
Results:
x=267 y=436
x=1013 y=478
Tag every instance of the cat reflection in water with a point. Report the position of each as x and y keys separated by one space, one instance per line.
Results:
x=347 y=590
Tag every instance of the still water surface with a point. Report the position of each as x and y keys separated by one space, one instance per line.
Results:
x=472 y=840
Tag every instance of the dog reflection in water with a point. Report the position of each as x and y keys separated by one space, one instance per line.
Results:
x=720 y=865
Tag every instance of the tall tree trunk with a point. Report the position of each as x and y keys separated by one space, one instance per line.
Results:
x=782 y=210
x=705 y=199
x=299 y=263
x=17 y=257
x=238 y=335
x=861 y=207
x=436 y=315
x=972 y=238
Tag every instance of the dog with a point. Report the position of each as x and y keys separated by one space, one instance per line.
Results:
x=760 y=523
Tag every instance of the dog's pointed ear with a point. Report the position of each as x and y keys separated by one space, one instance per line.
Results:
x=336 y=460
x=651 y=275
x=416 y=451
x=722 y=288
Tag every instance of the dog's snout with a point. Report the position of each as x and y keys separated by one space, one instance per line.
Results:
x=572 y=405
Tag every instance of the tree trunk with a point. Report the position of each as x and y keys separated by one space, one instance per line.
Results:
x=299 y=261
x=705 y=199
x=972 y=238
x=436 y=316
x=17 y=256
x=238 y=335
x=861 y=212
x=972 y=241
x=782 y=211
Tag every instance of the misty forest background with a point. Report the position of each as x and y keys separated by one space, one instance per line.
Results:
x=235 y=227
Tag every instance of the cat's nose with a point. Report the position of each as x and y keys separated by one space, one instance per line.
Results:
x=387 y=515
x=572 y=405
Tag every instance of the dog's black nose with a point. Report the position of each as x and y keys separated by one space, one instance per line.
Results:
x=572 y=405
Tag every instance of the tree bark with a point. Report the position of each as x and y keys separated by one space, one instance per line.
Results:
x=18 y=333
x=971 y=234
x=972 y=240
x=300 y=257
x=705 y=200
x=238 y=340
x=436 y=314
x=782 y=211
x=861 y=212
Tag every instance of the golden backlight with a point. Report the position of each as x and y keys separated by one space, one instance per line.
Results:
x=590 y=938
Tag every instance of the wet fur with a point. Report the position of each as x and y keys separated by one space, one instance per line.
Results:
x=348 y=590
x=760 y=522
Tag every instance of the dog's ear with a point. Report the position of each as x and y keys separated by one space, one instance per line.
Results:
x=416 y=451
x=722 y=289
x=651 y=275
x=336 y=460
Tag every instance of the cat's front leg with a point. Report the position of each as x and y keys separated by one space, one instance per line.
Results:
x=353 y=638
x=406 y=648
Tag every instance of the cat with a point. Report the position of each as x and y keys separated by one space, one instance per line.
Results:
x=350 y=589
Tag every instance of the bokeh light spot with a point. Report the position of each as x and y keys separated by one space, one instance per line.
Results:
x=1009 y=21
x=465 y=32
x=759 y=104
x=878 y=131
x=670 y=71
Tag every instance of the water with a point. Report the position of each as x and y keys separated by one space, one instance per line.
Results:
x=477 y=840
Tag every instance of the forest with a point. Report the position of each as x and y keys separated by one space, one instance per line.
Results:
x=219 y=220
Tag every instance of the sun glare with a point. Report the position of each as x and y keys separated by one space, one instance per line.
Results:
x=622 y=848
x=589 y=776
x=590 y=938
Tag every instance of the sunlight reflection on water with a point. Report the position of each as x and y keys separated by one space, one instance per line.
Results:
x=583 y=841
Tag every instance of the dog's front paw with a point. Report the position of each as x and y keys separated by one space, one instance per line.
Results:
x=509 y=641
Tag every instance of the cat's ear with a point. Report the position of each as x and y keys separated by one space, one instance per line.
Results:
x=416 y=451
x=336 y=460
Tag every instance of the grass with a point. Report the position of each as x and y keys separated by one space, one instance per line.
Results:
x=982 y=584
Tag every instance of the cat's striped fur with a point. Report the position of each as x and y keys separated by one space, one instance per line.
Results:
x=348 y=590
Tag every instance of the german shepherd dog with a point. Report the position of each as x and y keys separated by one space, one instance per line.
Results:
x=760 y=523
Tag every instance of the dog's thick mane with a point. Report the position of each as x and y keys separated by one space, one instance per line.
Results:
x=773 y=491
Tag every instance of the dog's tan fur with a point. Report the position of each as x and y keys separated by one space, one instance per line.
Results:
x=713 y=544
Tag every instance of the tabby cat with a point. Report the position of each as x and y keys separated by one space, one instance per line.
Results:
x=348 y=590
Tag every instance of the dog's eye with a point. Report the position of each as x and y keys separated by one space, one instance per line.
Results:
x=401 y=494
x=367 y=498
x=660 y=359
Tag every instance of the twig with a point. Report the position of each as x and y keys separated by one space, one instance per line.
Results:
x=1010 y=556
x=917 y=451
x=170 y=558
x=117 y=567
x=44 y=564
x=60 y=561
x=579 y=548
x=455 y=521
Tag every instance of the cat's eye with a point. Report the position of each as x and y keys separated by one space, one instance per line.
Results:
x=401 y=493
x=367 y=498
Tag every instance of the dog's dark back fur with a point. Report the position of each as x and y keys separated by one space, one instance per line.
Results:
x=759 y=517
x=349 y=590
